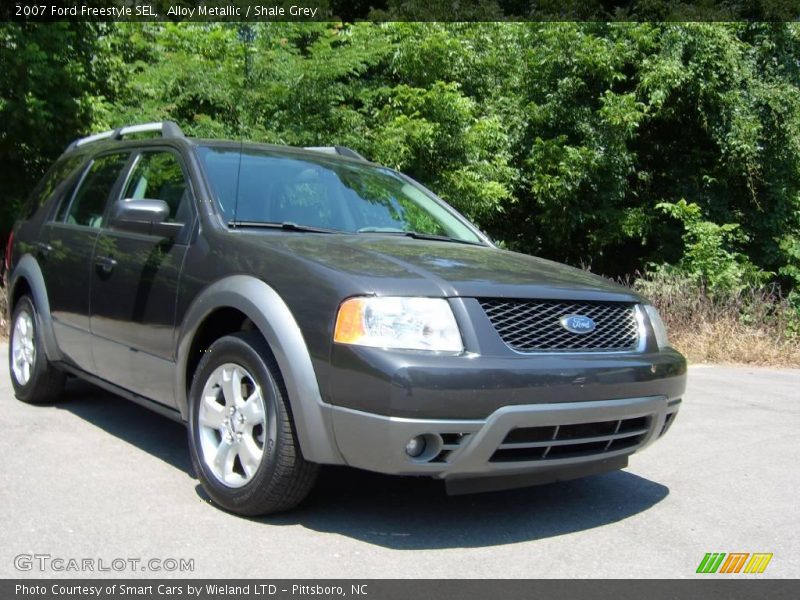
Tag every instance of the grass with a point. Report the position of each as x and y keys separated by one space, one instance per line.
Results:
x=754 y=326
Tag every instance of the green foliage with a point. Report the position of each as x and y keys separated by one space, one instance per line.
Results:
x=790 y=247
x=708 y=257
x=574 y=141
x=53 y=79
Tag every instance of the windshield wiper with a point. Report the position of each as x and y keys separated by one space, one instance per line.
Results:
x=417 y=235
x=284 y=225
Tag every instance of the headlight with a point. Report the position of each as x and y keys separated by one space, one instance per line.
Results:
x=659 y=329
x=396 y=322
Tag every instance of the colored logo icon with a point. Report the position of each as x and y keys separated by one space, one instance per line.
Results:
x=577 y=324
x=734 y=562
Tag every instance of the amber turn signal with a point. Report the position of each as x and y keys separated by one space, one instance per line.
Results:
x=350 y=321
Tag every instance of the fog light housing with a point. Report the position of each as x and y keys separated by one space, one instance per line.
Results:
x=415 y=446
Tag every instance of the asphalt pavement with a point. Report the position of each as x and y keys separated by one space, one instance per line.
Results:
x=95 y=480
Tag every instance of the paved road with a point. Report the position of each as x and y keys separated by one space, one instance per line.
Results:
x=98 y=477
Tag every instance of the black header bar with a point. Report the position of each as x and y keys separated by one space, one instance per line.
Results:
x=398 y=10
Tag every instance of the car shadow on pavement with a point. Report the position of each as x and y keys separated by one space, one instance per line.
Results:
x=405 y=513
x=140 y=427
x=411 y=513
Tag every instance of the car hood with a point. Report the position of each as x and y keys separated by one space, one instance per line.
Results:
x=387 y=264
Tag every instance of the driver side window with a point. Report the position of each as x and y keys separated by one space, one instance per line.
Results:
x=158 y=176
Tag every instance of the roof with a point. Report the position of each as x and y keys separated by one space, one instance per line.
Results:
x=171 y=130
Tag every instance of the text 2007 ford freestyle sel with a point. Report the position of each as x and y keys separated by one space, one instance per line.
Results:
x=298 y=307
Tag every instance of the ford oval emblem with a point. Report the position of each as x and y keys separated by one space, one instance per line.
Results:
x=577 y=324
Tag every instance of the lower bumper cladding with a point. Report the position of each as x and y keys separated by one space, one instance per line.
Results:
x=514 y=446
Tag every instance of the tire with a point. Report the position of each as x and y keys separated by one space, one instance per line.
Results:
x=248 y=459
x=35 y=379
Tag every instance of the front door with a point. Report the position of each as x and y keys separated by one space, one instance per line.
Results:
x=135 y=284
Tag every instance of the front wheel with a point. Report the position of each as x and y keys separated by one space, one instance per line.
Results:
x=241 y=436
x=34 y=378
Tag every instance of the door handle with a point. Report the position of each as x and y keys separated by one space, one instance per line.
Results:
x=106 y=264
x=44 y=248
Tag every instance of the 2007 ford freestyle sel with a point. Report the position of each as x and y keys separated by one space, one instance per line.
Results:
x=298 y=307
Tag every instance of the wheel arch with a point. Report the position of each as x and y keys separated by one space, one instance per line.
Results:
x=258 y=306
x=27 y=278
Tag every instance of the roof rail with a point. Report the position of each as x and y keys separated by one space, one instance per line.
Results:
x=340 y=150
x=168 y=129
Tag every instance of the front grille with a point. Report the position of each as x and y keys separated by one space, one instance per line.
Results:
x=552 y=442
x=535 y=325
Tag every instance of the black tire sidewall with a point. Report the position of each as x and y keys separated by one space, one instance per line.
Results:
x=240 y=350
x=24 y=392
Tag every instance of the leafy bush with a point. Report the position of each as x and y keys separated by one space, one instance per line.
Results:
x=717 y=305
x=708 y=259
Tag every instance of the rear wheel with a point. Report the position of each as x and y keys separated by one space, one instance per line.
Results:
x=242 y=440
x=34 y=378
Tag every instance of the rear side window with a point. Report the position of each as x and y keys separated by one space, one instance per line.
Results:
x=57 y=174
x=89 y=202
x=158 y=176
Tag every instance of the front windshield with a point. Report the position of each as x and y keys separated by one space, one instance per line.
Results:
x=323 y=193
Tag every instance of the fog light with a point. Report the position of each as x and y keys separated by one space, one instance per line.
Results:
x=415 y=446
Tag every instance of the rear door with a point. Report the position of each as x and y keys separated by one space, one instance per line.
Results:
x=134 y=282
x=65 y=255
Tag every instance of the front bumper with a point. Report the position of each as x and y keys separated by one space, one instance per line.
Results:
x=420 y=385
x=553 y=441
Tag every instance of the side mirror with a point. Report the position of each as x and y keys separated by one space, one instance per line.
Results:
x=143 y=216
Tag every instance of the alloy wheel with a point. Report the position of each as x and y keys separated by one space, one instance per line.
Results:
x=23 y=347
x=232 y=424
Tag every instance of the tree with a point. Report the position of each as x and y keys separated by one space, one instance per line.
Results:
x=559 y=139
x=53 y=79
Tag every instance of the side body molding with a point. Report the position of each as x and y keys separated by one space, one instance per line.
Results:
x=267 y=310
x=28 y=269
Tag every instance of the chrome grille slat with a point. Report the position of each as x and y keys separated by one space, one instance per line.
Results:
x=534 y=325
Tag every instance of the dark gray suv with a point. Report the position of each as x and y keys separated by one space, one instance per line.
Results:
x=298 y=307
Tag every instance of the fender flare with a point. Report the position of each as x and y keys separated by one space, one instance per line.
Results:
x=28 y=269
x=272 y=317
